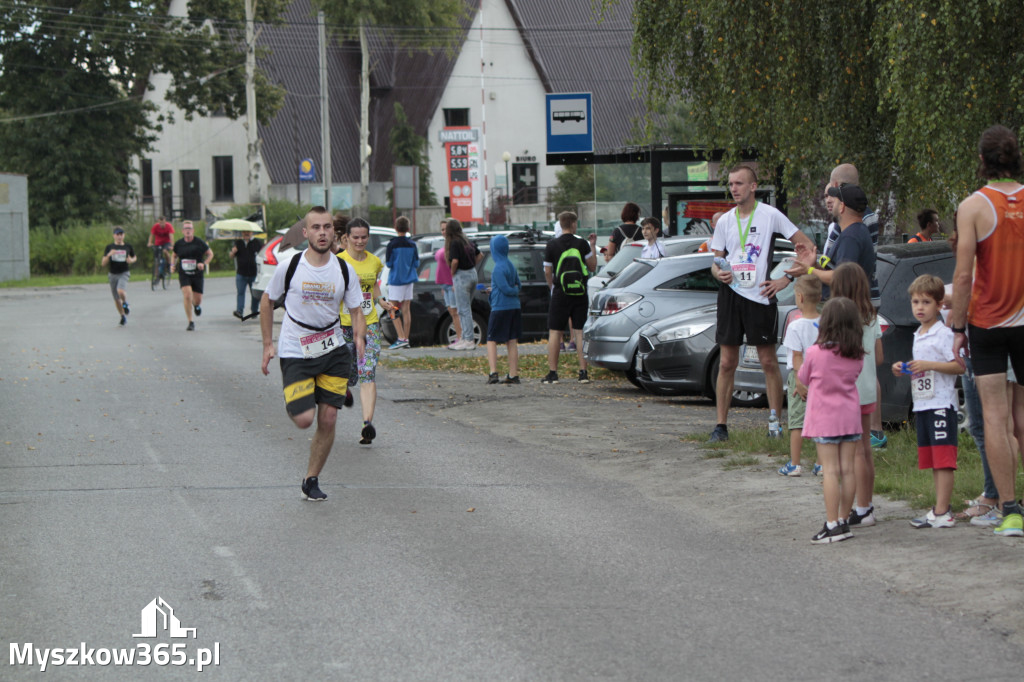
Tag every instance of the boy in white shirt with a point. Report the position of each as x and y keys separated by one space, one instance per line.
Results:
x=933 y=383
x=655 y=246
x=801 y=334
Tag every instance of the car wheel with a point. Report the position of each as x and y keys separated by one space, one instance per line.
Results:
x=739 y=398
x=631 y=373
x=446 y=331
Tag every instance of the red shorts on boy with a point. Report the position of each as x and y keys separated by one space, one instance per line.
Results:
x=937 y=434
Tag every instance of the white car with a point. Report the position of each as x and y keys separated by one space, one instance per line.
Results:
x=270 y=257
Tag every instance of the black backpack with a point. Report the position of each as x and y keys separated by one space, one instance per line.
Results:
x=292 y=265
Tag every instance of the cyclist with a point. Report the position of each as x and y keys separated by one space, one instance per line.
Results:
x=161 y=236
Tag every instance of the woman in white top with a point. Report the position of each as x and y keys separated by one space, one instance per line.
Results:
x=655 y=246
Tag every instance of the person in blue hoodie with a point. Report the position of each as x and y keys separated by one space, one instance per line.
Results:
x=403 y=259
x=506 y=321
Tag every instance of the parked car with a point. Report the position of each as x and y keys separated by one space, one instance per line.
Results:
x=645 y=291
x=674 y=246
x=677 y=354
x=896 y=267
x=270 y=256
x=431 y=322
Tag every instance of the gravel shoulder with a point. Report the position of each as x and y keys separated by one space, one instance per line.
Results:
x=625 y=435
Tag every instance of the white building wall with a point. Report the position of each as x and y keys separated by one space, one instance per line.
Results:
x=191 y=145
x=513 y=101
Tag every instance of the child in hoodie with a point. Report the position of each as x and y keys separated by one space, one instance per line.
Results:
x=506 y=322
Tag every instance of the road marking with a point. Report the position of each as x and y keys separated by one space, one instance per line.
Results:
x=228 y=555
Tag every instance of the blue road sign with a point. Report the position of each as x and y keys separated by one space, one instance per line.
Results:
x=570 y=123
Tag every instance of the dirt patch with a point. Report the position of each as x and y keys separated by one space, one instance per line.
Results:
x=626 y=435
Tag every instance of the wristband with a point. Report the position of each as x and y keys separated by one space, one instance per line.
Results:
x=790 y=277
x=810 y=270
x=958 y=330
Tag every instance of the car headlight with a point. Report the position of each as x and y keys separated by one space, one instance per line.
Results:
x=683 y=331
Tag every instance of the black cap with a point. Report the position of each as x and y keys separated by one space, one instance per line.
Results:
x=851 y=195
x=118 y=230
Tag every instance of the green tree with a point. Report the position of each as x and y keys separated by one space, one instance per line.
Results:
x=901 y=88
x=72 y=82
x=410 y=149
x=436 y=21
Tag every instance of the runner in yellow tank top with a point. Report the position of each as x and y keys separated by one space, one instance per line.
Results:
x=368 y=267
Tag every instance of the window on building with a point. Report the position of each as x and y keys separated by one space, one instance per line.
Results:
x=456 y=117
x=223 y=179
x=147 y=181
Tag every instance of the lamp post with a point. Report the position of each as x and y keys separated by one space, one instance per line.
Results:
x=506 y=157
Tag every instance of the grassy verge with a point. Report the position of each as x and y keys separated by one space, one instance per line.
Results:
x=76 y=280
x=532 y=366
x=896 y=472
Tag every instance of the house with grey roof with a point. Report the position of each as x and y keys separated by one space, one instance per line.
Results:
x=512 y=54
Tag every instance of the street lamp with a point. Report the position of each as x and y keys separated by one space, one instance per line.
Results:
x=506 y=156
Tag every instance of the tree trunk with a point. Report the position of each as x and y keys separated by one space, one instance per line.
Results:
x=251 y=131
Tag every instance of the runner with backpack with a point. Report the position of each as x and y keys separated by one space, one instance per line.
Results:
x=568 y=262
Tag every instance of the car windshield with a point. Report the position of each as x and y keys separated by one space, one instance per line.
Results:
x=632 y=273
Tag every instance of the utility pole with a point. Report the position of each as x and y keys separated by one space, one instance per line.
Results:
x=364 y=123
x=252 y=138
x=325 y=114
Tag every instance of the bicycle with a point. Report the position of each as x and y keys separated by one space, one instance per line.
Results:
x=161 y=268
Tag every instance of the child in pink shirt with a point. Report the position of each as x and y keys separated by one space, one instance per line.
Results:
x=832 y=420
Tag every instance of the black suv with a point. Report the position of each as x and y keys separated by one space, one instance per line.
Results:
x=431 y=322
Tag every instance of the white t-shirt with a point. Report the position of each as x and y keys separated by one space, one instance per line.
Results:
x=867 y=381
x=655 y=250
x=766 y=222
x=314 y=298
x=801 y=334
x=935 y=345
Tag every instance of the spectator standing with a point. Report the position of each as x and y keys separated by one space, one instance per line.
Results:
x=928 y=221
x=743 y=243
x=801 y=334
x=462 y=256
x=566 y=262
x=443 y=276
x=119 y=256
x=655 y=246
x=627 y=231
x=990 y=225
x=832 y=419
x=403 y=261
x=850 y=282
x=505 y=324
x=933 y=371
x=244 y=251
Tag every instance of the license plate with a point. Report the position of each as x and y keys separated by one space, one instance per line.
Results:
x=639 y=364
x=750 y=355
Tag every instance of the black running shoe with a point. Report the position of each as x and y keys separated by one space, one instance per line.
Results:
x=191 y=327
x=238 y=314
x=583 y=377
x=311 y=490
x=550 y=378
x=511 y=380
x=492 y=378
x=198 y=309
x=124 y=320
x=829 y=535
x=369 y=433
x=124 y=305
x=719 y=435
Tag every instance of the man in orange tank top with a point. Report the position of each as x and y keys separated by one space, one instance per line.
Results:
x=988 y=304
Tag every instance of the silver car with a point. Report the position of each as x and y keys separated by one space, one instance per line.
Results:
x=646 y=290
x=674 y=246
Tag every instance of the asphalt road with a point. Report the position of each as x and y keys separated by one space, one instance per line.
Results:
x=147 y=461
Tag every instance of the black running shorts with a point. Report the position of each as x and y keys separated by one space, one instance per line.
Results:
x=564 y=308
x=740 y=318
x=316 y=381
x=991 y=347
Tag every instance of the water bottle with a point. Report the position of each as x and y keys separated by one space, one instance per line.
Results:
x=723 y=264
